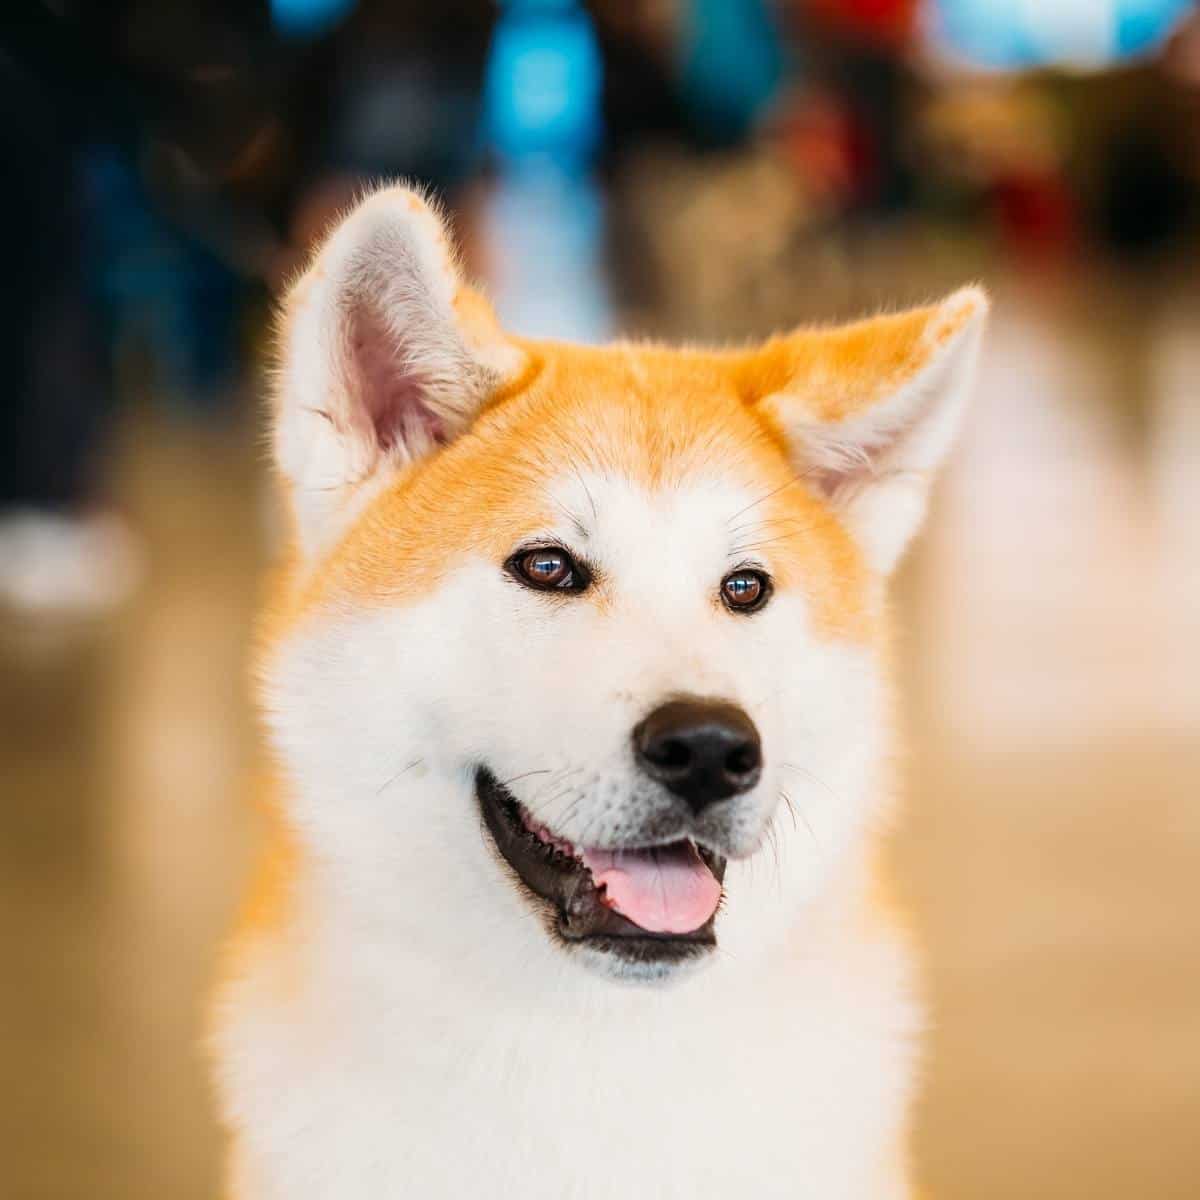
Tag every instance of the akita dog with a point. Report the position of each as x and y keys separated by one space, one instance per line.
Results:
x=577 y=686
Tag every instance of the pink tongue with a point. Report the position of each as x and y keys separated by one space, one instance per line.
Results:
x=665 y=890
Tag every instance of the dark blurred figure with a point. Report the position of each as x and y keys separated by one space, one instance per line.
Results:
x=170 y=160
x=59 y=389
x=1147 y=196
x=104 y=104
x=59 y=398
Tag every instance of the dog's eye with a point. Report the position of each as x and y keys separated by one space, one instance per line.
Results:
x=745 y=590
x=549 y=569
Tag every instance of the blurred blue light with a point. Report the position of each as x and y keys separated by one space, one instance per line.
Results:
x=545 y=231
x=1027 y=33
x=732 y=63
x=1144 y=24
x=308 y=18
x=543 y=84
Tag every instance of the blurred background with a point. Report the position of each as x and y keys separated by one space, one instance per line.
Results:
x=706 y=169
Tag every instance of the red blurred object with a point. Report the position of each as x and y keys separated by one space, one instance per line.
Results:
x=888 y=22
x=1036 y=214
x=831 y=149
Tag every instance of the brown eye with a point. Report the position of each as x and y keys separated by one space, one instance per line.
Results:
x=549 y=569
x=745 y=591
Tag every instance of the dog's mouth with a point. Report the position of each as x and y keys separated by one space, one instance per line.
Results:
x=649 y=905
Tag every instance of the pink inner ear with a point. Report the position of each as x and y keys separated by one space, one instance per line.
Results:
x=865 y=460
x=392 y=397
x=828 y=479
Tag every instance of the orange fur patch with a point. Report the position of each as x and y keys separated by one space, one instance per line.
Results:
x=268 y=904
x=840 y=372
x=656 y=416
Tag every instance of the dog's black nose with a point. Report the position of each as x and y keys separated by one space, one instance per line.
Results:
x=703 y=750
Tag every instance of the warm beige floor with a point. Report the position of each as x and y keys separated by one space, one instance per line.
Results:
x=1051 y=849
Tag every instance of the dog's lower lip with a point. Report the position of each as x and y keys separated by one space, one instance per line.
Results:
x=576 y=908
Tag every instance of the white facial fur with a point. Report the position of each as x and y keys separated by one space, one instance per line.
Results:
x=383 y=716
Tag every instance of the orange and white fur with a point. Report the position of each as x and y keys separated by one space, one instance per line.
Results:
x=403 y=1014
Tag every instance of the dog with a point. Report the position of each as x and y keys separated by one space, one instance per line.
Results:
x=576 y=687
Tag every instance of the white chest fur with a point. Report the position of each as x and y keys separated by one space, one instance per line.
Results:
x=377 y=1078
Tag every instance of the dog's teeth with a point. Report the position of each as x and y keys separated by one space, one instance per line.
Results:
x=543 y=834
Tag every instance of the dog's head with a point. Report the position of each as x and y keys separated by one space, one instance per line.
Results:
x=592 y=635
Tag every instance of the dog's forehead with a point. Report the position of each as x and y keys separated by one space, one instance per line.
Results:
x=647 y=410
x=640 y=449
x=606 y=511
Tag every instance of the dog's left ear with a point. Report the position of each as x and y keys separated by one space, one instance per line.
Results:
x=384 y=356
x=869 y=410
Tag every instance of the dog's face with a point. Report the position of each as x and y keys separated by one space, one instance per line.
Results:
x=586 y=635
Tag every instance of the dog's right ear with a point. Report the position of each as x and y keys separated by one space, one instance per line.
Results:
x=384 y=356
